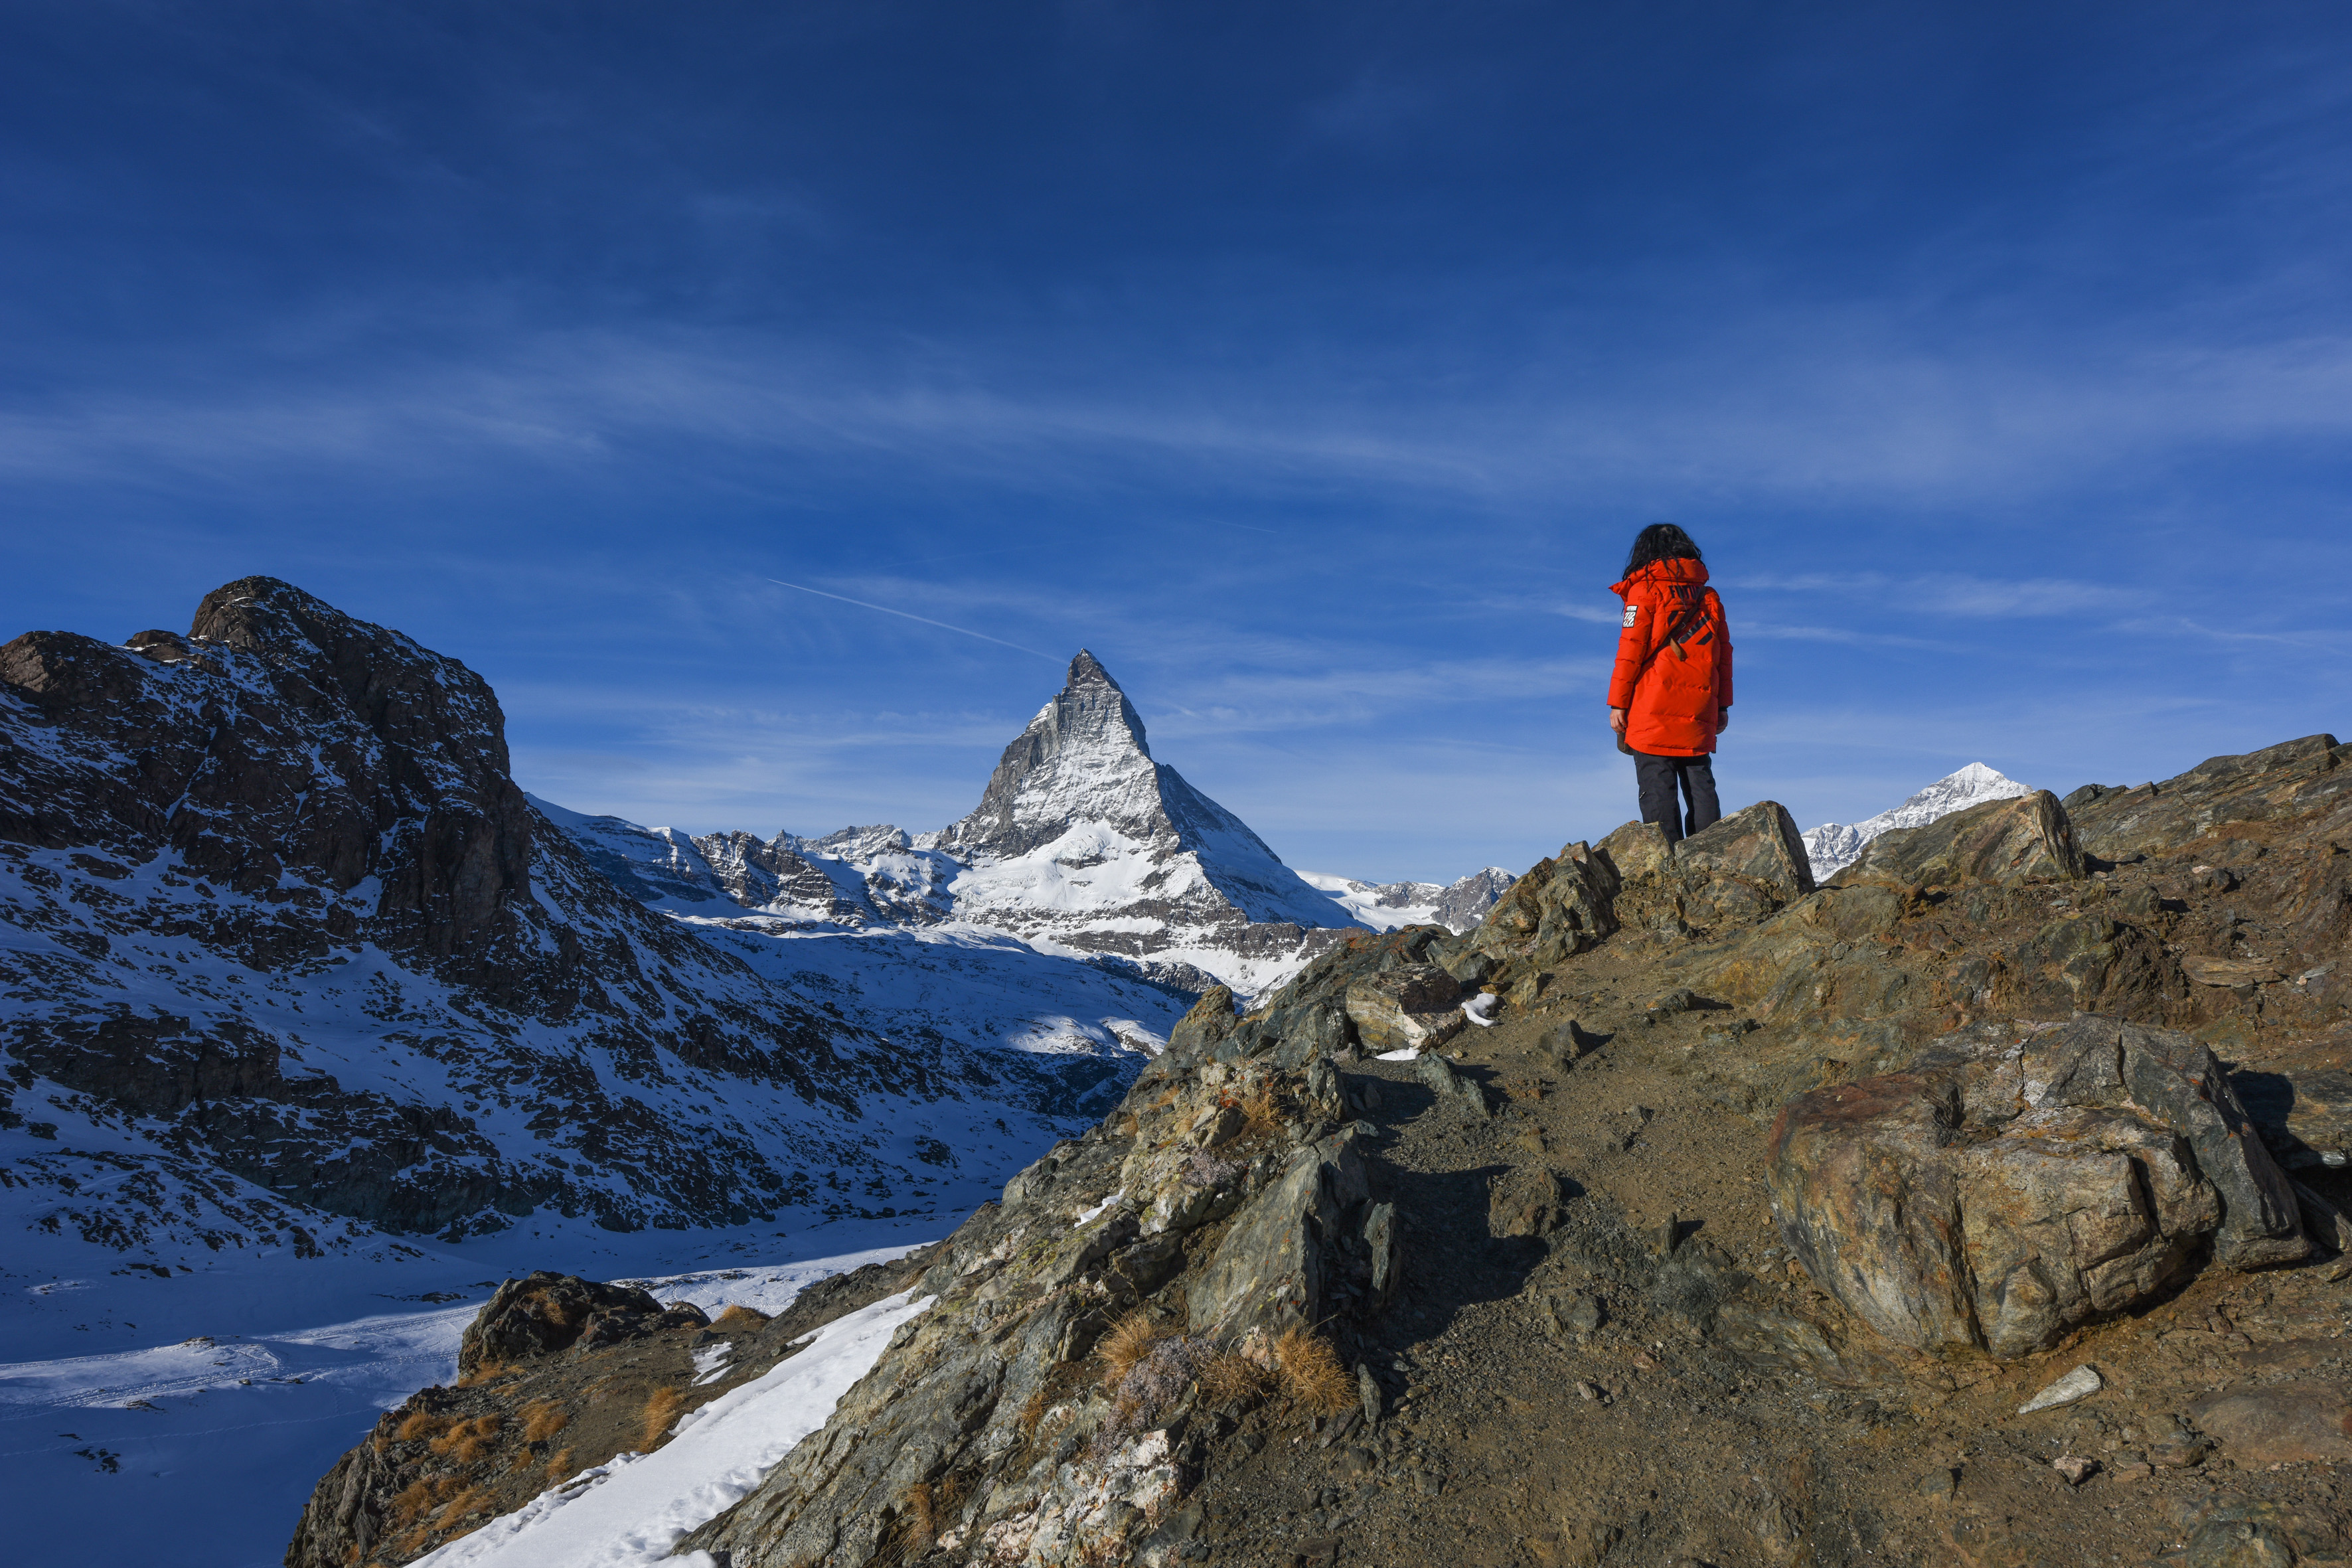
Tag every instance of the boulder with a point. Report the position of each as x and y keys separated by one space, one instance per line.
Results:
x=2027 y=838
x=1270 y=1270
x=545 y=1312
x=1452 y=1090
x=1410 y=1007
x=2291 y=779
x=1743 y=867
x=1210 y=1021
x=2002 y=1190
x=1561 y=907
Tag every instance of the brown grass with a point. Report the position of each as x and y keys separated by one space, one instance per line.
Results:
x=1228 y=1377
x=468 y=1441
x=738 y=1316
x=1311 y=1373
x=410 y=1502
x=464 y=1503
x=921 y=1517
x=661 y=1411
x=544 y=1420
x=1032 y=1413
x=1129 y=1341
x=421 y=1424
x=1261 y=1114
x=559 y=1467
x=487 y=1372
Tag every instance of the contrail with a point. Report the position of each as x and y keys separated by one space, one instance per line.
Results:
x=903 y=616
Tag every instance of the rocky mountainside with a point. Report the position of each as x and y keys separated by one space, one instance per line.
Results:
x=1983 y=1204
x=286 y=956
x=1458 y=906
x=1834 y=846
x=1082 y=845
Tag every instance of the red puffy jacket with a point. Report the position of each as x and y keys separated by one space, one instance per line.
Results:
x=1675 y=692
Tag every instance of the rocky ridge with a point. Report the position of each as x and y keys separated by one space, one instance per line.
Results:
x=290 y=958
x=1981 y=1205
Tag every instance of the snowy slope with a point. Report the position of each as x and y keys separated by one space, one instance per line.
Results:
x=1833 y=846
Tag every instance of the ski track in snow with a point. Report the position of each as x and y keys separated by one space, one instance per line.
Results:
x=218 y=1438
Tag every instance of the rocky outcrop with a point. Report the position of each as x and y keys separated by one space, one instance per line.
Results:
x=544 y=1313
x=1093 y=1332
x=2007 y=842
x=2004 y=1190
x=1737 y=871
x=2278 y=784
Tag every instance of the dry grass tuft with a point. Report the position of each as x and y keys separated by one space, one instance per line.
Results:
x=559 y=1467
x=1032 y=1413
x=410 y=1503
x=738 y=1316
x=544 y=1420
x=473 y=1499
x=421 y=1424
x=487 y=1372
x=921 y=1516
x=1261 y=1112
x=1229 y=1377
x=661 y=1410
x=468 y=1441
x=1311 y=1373
x=1129 y=1341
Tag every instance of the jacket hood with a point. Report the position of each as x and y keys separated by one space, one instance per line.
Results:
x=1682 y=569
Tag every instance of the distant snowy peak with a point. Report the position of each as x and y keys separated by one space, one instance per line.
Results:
x=1458 y=905
x=1836 y=846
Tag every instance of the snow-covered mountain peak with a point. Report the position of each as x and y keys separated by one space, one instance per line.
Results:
x=1836 y=846
x=1083 y=758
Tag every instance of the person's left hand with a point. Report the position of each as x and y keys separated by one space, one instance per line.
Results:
x=1722 y=720
x=1617 y=719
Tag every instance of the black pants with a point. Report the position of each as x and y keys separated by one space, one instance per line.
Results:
x=1662 y=776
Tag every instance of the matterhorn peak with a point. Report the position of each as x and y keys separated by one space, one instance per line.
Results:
x=1083 y=758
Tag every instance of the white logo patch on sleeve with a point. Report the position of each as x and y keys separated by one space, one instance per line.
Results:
x=1630 y=612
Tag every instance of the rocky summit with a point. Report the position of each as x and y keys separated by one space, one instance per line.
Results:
x=290 y=961
x=1982 y=1204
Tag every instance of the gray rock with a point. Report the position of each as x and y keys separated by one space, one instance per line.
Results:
x=1994 y=1197
x=1455 y=1092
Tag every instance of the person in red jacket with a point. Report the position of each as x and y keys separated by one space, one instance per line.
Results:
x=1670 y=695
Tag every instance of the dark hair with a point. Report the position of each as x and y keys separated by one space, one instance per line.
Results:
x=1661 y=542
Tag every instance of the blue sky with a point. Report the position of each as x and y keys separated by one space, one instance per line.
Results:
x=1313 y=365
